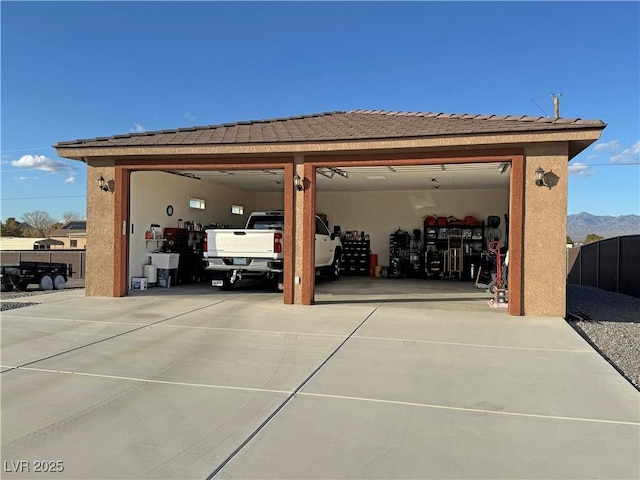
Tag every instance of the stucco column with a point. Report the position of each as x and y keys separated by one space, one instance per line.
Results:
x=545 y=230
x=100 y=271
x=304 y=224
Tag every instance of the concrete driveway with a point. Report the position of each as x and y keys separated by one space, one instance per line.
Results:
x=188 y=383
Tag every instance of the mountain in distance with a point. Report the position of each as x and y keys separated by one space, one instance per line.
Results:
x=582 y=224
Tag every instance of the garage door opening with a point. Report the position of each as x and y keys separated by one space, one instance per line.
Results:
x=170 y=213
x=411 y=230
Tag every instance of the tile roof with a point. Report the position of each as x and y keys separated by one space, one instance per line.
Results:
x=340 y=126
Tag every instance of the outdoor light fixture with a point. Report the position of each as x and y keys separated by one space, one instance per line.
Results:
x=297 y=181
x=102 y=183
x=539 y=176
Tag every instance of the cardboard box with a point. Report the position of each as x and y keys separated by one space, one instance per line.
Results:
x=138 y=283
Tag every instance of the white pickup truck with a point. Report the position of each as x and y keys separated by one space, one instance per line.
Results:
x=258 y=251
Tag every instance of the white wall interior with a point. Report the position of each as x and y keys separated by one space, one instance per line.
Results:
x=269 y=201
x=152 y=192
x=379 y=214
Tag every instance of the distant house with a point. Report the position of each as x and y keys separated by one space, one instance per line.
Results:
x=73 y=235
x=30 y=243
x=19 y=243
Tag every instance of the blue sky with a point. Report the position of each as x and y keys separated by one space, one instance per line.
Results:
x=84 y=69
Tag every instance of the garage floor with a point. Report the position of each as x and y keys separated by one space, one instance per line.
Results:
x=354 y=290
x=421 y=384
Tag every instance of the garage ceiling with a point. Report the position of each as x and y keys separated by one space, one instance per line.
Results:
x=479 y=176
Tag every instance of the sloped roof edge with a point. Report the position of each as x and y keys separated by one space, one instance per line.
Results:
x=339 y=125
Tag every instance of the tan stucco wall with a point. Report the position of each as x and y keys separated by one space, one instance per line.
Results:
x=100 y=231
x=545 y=229
x=299 y=203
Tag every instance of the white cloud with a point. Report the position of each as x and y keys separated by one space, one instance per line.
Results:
x=40 y=162
x=137 y=128
x=580 y=170
x=629 y=155
x=612 y=146
x=189 y=117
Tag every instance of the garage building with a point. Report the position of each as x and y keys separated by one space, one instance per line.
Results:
x=378 y=173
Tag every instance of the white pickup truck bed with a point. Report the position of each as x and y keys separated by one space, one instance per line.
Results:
x=241 y=243
x=258 y=250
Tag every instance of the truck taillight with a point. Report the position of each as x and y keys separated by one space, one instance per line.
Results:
x=204 y=244
x=277 y=242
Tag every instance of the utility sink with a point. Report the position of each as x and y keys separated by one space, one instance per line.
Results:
x=165 y=260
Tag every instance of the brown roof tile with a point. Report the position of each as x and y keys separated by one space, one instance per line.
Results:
x=335 y=126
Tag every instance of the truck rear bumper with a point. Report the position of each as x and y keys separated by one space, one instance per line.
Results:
x=258 y=265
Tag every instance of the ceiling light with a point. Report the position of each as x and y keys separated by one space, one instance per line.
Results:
x=376 y=177
x=330 y=172
x=325 y=172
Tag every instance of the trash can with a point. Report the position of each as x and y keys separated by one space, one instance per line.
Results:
x=164 y=277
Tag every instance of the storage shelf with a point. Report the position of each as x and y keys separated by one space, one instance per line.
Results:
x=450 y=250
x=356 y=255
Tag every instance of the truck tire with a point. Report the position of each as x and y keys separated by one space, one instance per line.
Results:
x=58 y=282
x=334 y=273
x=46 y=282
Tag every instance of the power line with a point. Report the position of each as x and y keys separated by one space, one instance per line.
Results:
x=26 y=149
x=38 y=198
x=603 y=164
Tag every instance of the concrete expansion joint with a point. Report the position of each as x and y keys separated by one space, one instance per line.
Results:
x=288 y=399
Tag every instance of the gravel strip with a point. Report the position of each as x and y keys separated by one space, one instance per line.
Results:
x=610 y=322
x=30 y=292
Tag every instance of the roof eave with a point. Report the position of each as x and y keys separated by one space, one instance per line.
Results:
x=579 y=139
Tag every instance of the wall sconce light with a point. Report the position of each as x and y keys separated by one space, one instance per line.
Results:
x=539 y=176
x=102 y=183
x=297 y=181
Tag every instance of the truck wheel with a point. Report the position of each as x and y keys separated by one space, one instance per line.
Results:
x=6 y=287
x=334 y=274
x=58 y=282
x=46 y=282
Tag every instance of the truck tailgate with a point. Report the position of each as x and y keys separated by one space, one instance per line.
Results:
x=241 y=243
